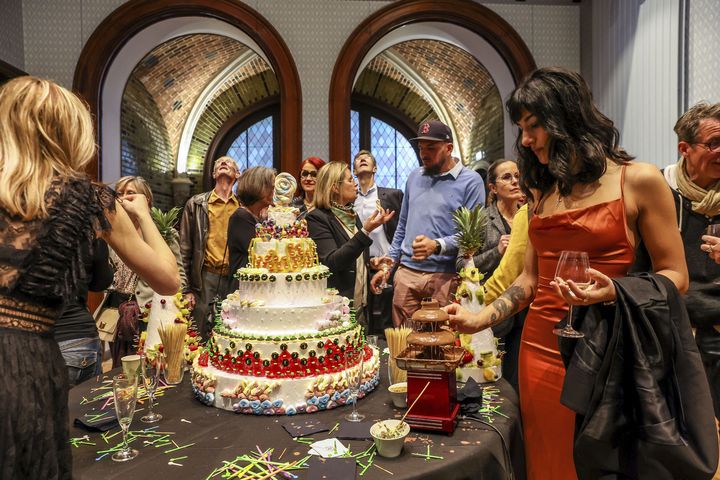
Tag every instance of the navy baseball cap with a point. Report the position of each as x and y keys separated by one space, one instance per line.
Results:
x=434 y=130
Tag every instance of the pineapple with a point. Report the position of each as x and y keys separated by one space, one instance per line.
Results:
x=470 y=229
x=165 y=222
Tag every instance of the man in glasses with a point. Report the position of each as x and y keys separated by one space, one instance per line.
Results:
x=370 y=196
x=203 y=237
x=695 y=182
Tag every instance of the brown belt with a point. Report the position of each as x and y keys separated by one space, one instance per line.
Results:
x=26 y=316
x=221 y=270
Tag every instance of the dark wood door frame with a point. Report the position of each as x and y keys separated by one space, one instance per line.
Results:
x=465 y=13
x=132 y=17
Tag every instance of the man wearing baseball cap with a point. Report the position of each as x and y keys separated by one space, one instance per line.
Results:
x=424 y=247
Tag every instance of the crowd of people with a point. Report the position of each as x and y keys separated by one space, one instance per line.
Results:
x=572 y=187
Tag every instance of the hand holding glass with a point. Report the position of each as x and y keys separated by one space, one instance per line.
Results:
x=573 y=266
x=125 y=394
x=353 y=374
x=151 y=369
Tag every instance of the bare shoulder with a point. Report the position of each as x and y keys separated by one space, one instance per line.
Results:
x=641 y=176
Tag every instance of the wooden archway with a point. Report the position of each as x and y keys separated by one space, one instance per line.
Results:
x=466 y=13
x=136 y=15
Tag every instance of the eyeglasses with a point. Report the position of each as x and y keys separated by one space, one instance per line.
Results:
x=712 y=145
x=306 y=173
x=509 y=177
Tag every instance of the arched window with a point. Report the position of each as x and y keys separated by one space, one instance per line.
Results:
x=386 y=136
x=251 y=138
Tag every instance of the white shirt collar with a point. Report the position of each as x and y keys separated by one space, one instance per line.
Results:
x=455 y=171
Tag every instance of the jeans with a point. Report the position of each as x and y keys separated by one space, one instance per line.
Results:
x=83 y=357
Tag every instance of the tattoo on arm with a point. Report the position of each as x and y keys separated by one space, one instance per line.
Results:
x=509 y=303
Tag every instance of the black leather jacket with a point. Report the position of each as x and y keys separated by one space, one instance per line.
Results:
x=638 y=386
x=193 y=239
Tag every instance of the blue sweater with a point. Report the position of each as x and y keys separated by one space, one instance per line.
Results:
x=427 y=209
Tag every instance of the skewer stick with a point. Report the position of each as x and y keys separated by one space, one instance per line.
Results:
x=413 y=404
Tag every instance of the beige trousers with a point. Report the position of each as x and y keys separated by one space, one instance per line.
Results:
x=411 y=286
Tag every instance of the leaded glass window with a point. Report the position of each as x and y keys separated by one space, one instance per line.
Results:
x=254 y=146
x=394 y=154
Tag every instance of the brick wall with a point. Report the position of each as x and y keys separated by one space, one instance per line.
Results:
x=145 y=147
x=254 y=82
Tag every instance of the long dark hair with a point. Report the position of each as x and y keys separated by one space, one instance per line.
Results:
x=562 y=103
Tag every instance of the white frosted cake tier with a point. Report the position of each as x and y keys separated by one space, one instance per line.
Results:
x=282 y=396
x=246 y=320
x=260 y=287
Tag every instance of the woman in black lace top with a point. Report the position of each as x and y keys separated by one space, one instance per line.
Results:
x=49 y=213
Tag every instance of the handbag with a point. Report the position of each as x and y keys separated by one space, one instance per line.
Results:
x=106 y=321
x=128 y=324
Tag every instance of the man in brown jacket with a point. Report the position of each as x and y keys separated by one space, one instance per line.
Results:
x=203 y=238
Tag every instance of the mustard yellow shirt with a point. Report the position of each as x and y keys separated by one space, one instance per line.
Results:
x=219 y=213
x=511 y=264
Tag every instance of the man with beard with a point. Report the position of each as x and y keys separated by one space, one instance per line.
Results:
x=203 y=240
x=424 y=247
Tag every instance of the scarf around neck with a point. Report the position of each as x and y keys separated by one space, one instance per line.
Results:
x=704 y=202
x=346 y=214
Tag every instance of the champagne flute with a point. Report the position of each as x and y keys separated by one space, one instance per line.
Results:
x=125 y=393
x=385 y=269
x=353 y=374
x=572 y=266
x=151 y=369
x=714 y=231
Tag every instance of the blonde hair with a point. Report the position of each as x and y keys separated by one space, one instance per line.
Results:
x=45 y=131
x=141 y=186
x=330 y=174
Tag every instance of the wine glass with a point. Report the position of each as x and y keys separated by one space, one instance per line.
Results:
x=713 y=229
x=572 y=266
x=125 y=393
x=385 y=269
x=151 y=369
x=353 y=374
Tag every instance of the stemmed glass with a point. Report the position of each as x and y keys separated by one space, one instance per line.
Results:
x=714 y=231
x=151 y=369
x=125 y=393
x=385 y=269
x=573 y=266
x=353 y=374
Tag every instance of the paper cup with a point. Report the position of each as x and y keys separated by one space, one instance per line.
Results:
x=131 y=365
x=398 y=394
x=389 y=447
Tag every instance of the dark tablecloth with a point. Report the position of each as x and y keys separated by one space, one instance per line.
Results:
x=474 y=451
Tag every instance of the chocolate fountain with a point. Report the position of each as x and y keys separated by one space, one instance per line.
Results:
x=430 y=360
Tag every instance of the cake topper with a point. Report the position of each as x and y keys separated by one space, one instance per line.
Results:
x=285 y=186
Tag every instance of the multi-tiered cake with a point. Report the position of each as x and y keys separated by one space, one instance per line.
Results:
x=280 y=341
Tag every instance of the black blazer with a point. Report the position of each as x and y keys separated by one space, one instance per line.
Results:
x=638 y=386
x=391 y=199
x=241 y=231
x=336 y=250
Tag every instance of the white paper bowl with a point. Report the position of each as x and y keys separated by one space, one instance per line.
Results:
x=389 y=447
x=399 y=398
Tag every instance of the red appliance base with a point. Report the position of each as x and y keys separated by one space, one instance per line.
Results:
x=434 y=423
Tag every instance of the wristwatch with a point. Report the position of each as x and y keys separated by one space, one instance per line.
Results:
x=438 y=248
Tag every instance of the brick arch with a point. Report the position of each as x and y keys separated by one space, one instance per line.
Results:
x=468 y=15
x=135 y=16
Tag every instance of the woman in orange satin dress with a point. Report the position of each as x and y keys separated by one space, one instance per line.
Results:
x=586 y=195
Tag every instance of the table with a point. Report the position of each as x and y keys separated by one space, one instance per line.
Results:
x=474 y=451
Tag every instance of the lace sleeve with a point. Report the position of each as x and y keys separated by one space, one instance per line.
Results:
x=75 y=208
x=103 y=201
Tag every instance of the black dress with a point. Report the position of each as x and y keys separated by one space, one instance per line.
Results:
x=41 y=265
